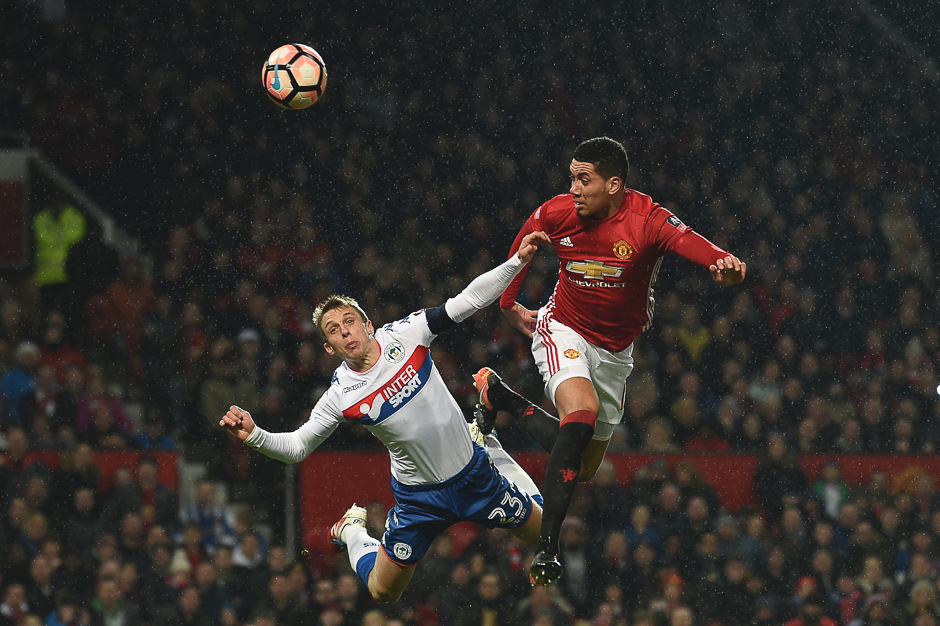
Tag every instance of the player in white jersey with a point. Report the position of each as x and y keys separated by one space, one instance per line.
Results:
x=389 y=384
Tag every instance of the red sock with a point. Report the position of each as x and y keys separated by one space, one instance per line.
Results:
x=581 y=417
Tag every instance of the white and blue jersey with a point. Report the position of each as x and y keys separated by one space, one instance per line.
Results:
x=439 y=476
x=404 y=402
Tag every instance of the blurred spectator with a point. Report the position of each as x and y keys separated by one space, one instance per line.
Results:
x=212 y=597
x=185 y=611
x=153 y=435
x=13 y=332
x=489 y=604
x=811 y=613
x=778 y=481
x=81 y=524
x=639 y=530
x=98 y=400
x=831 y=490
x=55 y=349
x=20 y=380
x=104 y=433
x=14 y=605
x=47 y=400
x=456 y=596
x=225 y=385
x=277 y=600
x=132 y=296
x=609 y=501
x=40 y=591
x=581 y=565
x=156 y=503
x=111 y=607
x=215 y=524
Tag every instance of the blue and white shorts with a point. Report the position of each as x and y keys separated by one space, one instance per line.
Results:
x=477 y=493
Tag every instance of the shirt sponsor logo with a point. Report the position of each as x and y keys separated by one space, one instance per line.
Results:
x=572 y=354
x=623 y=250
x=566 y=241
x=594 y=270
x=402 y=387
x=394 y=352
x=395 y=393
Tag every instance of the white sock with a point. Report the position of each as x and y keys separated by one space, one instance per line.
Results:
x=508 y=467
x=358 y=544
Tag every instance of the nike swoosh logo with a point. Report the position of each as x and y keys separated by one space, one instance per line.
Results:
x=276 y=83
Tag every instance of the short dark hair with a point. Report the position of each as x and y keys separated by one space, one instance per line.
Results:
x=607 y=155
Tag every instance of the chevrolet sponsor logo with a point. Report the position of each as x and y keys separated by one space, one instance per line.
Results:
x=595 y=270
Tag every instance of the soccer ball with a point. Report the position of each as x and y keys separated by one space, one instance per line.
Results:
x=294 y=76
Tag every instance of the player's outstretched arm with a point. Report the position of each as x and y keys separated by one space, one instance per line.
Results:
x=238 y=422
x=487 y=287
x=519 y=316
x=728 y=271
x=289 y=447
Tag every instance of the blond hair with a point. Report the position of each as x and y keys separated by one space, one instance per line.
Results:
x=336 y=302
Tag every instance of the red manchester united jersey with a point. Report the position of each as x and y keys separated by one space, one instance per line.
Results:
x=607 y=267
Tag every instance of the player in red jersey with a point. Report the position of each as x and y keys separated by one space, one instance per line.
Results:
x=610 y=242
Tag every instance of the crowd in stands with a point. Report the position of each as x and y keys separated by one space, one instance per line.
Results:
x=661 y=550
x=766 y=130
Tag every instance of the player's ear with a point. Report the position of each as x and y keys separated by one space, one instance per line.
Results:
x=329 y=349
x=614 y=184
x=369 y=328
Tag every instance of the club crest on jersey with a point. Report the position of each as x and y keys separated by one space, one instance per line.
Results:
x=402 y=550
x=623 y=250
x=394 y=352
x=572 y=353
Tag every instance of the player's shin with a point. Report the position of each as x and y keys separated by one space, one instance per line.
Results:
x=542 y=426
x=561 y=474
x=362 y=550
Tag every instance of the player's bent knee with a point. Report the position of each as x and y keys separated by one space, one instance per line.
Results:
x=384 y=594
x=388 y=580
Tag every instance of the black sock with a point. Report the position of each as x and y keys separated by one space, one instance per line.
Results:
x=561 y=477
x=541 y=425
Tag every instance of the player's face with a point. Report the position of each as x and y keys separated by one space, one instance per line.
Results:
x=593 y=195
x=347 y=335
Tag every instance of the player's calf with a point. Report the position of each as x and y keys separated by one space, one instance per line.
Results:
x=496 y=395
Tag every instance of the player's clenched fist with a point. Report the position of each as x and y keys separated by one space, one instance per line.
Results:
x=238 y=422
